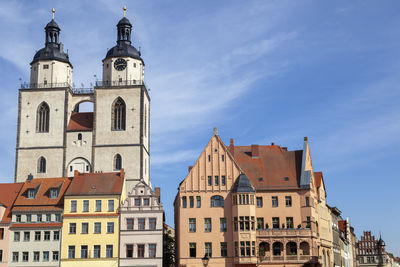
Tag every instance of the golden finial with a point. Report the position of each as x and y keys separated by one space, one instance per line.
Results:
x=53 y=11
x=124 y=9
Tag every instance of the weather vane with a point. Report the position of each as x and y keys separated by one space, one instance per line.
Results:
x=53 y=11
x=124 y=9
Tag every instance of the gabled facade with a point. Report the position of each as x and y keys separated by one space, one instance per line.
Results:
x=274 y=222
x=36 y=223
x=91 y=219
x=9 y=193
x=372 y=252
x=141 y=228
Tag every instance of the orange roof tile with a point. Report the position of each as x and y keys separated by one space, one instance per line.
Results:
x=96 y=184
x=42 y=197
x=34 y=225
x=8 y=194
x=271 y=167
x=82 y=121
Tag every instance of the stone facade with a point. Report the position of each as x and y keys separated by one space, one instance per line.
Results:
x=372 y=252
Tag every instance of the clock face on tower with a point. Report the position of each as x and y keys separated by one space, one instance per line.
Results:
x=120 y=64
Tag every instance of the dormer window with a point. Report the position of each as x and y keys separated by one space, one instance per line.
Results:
x=31 y=193
x=53 y=192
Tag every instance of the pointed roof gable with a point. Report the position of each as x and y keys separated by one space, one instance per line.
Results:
x=8 y=194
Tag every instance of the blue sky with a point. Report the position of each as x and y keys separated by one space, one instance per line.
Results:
x=261 y=71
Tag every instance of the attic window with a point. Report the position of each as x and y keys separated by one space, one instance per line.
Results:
x=260 y=179
x=31 y=193
x=286 y=178
x=53 y=192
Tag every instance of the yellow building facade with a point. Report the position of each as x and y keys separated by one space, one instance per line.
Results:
x=90 y=234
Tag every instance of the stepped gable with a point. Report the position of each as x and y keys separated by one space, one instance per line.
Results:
x=269 y=167
x=8 y=195
x=82 y=121
x=42 y=188
x=110 y=183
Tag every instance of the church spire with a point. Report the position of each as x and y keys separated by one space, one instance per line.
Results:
x=52 y=31
x=124 y=30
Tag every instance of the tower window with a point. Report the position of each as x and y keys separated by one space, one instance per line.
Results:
x=117 y=162
x=80 y=137
x=42 y=118
x=45 y=66
x=41 y=165
x=118 y=115
x=134 y=65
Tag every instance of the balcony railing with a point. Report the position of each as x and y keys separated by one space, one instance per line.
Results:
x=302 y=232
x=287 y=258
x=119 y=83
x=82 y=91
x=44 y=85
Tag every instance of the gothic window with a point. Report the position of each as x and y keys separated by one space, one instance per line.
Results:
x=118 y=115
x=42 y=165
x=42 y=118
x=117 y=162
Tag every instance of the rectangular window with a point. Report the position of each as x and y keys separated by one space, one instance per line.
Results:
x=152 y=250
x=259 y=202
x=275 y=222
x=207 y=225
x=242 y=248
x=209 y=158
x=308 y=223
x=110 y=227
x=198 y=200
x=223 y=180
x=247 y=223
x=192 y=250
x=260 y=223
x=46 y=66
x=58 y=217
x=248 y=248
x=307 y=201
x=129 y=251
x=16 y=236
x=53 y=193
x=241 y=223
x=56 y=235
x=73 y=205
x=222 y=224
x=111 y=205
x=96 y=251
x=39 y=217
x=253 y=248
x=27 y=236
x=84 y=228
x=28 y=218
x=129 y=224
x=289 y=222
x=288 y=201
x=209 y=179
x=140 y=251
x=31 y=193
x=223 y=157
x=46 y=255
x=15 y=257
x=48 y=217
x=85 y=206
x=192 y=225
x=71 y=252
x=216 y=180
x=72 y=228
x=146 y=202
x=84 y=252
x=208 y=249
x=109 y=251
x=25 y=256
x=137 y=202
x=37 y=236
x=235 y=224
x=224 y=249
x=191 y=201
x=18 y=218
x=275 y=201
x=97 y=228
x=55 y=256
x=46 y=236
x=183 y=202
x=98 y=205
x=141 y=223
x=36 y=256
x=152 y=223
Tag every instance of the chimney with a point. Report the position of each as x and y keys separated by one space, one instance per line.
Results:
x=306 y=138
x=76 y=173
x=190 y=168
x=122 y=173
x=158 y=193
x=231 y=147
x=272 y=144
x=30 y=177
x=254 y=151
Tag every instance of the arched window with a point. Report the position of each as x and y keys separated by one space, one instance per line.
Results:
x=42 y=118
x=79 y=136
x=118 y=115
x=217 y=201
x=117 y=162
x=41 y=165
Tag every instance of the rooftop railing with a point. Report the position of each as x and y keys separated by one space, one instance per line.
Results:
x=44 y=85
x=119 y=83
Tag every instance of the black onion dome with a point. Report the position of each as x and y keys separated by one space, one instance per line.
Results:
x=243 y=185
x=52 y=24
x=124 y=21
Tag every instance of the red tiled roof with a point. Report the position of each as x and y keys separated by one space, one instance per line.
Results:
x=271 y=168
x=96 y=184
x=42 y=197
x=35 y=225
x=82 y=121
x=318 y=179
x=8 y=194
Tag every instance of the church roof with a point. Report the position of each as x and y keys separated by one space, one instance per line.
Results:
x=82 y=121
x=124 y=21
x=52 y=24
x=124 y=50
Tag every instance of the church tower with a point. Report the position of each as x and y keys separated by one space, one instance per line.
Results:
x=55 y=138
